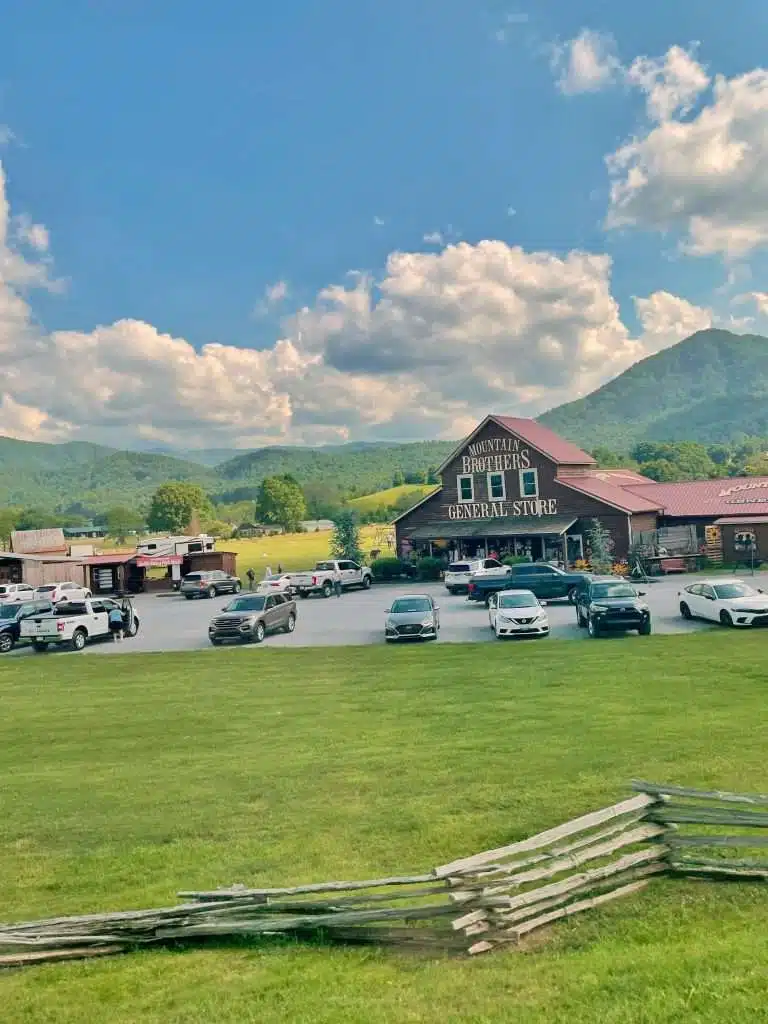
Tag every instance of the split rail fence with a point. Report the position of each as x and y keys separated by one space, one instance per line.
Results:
x=473 y=905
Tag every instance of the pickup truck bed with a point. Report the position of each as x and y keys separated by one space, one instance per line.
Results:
x=74 y=624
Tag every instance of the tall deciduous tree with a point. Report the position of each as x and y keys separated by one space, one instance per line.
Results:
x=281 y=503
x=174 y=504
x=8 y=519
x=345 y=540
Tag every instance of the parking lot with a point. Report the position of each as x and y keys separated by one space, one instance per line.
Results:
x=171 y=623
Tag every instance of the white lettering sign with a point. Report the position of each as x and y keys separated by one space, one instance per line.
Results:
x=753 y=485
x=497 y=509
x=495 y=463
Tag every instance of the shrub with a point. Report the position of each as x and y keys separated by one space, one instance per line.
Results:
x=430 y=568
x=514 y=559
x=620 y=569
x=581 y=565
x=384 y=569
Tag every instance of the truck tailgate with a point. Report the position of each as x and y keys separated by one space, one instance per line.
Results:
x=47 y=625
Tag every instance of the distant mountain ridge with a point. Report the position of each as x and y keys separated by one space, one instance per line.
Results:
x=711 y=387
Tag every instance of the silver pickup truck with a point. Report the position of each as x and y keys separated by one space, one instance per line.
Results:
x=321 y=579
x=76 y=623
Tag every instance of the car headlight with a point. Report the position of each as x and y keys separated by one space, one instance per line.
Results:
x=390 y=624
x=427 y=622
x=598 y=607
x=643 y=608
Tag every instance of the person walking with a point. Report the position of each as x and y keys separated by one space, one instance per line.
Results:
x=337 y=582
x=251 y=578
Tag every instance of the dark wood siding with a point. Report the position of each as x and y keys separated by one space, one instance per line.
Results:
x=736 y=556
x=568 y=502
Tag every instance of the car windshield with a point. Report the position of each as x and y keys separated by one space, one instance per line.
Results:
x=273 y=578
x=517 y=600
x=459 y=567
x=613 y=590
x=404 y=605
x=45 y=590
x=246 y=604
x=726 y=591
x=9 y=611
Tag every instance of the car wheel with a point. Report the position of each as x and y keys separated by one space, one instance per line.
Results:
x=645 y=629
x=366 y=582
x=237 y=588
x=6 y=643
x=290 y=624
x=451 y=590
x=39 y=646
x=572 y=595
x=211 y=591
x=725 y=618
x=258 y=632
x=79 y=638
x=327 y=589
x=685 y=611
x=188 y=596
x=303 y=594
x=593 y=629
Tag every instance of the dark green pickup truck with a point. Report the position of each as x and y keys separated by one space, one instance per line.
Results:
x=547 y=582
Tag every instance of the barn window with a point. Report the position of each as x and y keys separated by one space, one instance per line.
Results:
x=496 y=489
x=529 y=483
x=465 y=488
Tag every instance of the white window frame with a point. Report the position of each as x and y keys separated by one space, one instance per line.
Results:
x=535 y=472
x=503 y=496
x=459 y=478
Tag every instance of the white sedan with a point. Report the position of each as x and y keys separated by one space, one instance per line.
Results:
x=277 y=583
x=729 y=601
x=517 y=613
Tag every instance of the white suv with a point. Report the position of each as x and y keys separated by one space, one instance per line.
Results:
x=57 y=593
x=458 y=573
x=13 y=592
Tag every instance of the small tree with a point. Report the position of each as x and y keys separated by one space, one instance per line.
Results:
x=281 y=503
x=120 y=521
x=345 y=540
x=601 y=544
x=175 y=504
x=8 y=520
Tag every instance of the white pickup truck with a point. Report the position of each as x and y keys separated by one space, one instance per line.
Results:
x=320 y=580
x=75 y=624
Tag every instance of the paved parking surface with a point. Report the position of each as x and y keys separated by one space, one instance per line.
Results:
x=175 y=624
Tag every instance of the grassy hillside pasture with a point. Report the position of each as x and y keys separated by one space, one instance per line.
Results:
x=293 y=550
x=130 y=777
x=386 y=498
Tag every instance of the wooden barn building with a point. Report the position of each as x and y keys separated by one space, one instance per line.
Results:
x=515 y=487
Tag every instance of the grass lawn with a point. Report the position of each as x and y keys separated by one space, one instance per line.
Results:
x=294 y=550
x=390 y=496
x=130 y=777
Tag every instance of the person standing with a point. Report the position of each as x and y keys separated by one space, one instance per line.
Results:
x=251 y=578
x=337 y=581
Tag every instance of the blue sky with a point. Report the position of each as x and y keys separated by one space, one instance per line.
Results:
x=185 y=159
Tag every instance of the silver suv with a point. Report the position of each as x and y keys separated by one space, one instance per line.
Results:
x=209 y=584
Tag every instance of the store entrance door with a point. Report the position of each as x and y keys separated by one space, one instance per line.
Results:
x=574 y=543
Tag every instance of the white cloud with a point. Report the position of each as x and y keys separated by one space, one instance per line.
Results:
x=423 y=351
x=276 y=292
x=759 y=299
x=705 y=177
x=379 y=222
x=672 y=83
x=6 y=135
x=34 y=235
x=433 y=238
x=587 y=63
x=667 y=318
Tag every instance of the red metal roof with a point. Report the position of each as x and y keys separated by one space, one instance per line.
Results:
x=733 y=496
x=118 y=558
x=741 y=521
x=545 y=441
x=603 y=490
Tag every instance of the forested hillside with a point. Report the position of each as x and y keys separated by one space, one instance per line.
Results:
x=711 y=388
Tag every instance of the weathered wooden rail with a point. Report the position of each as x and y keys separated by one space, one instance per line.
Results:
x=475 y=904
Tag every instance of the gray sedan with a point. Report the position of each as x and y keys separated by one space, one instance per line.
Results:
x=415 y=617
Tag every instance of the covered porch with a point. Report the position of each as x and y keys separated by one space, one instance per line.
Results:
x=547 y=538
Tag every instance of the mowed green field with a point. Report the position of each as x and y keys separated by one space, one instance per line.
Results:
x=389 y=496
x=126 y=778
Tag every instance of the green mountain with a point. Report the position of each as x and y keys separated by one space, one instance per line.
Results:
x=711 y=388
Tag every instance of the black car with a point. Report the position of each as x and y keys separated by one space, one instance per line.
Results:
x=11 y=615
x=608 y=605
